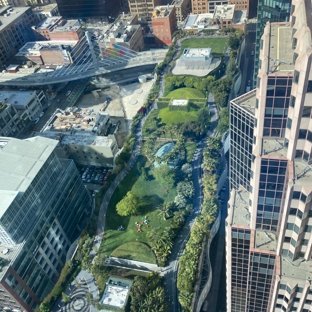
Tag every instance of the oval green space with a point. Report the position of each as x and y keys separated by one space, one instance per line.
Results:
x=134 y=251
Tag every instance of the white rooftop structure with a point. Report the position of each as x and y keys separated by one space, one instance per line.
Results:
x=116 y=292
x=9 y=14
x=49 y=22
x=225 y=12
x=34 y=47
x=179 y=102
x=199 y=22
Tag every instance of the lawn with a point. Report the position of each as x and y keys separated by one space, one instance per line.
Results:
x=186 y=93
x=152 y=194
x=216 y=44
x=190 y=150
x=173 y=117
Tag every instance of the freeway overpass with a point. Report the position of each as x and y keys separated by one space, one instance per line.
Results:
x=93 y=58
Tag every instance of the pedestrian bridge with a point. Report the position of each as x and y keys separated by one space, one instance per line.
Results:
x=92 y=58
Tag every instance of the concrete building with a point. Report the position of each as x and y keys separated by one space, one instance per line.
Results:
x=126 y=32
x=183 y=8
x=49 y=52
x=19 y=3
x=10 y=122
x=58 y=29
x=45 y=11
x=143 y=9
x=273 y=11
x=84 y=136
x=28 y=105
x=241 y=5
x=164 y=24
x=15 y=30
x=206 y=6
x=44 y=206
x=269 y=223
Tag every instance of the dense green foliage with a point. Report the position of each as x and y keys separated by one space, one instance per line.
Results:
x=128 y=205
x=223 y=122
x=147 y=294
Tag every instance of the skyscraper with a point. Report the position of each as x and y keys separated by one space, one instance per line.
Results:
x=43 y=205
x=269 y=225
x=272 y=11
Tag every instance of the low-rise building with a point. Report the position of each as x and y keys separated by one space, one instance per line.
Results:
x=18 y=108
x=48 y=52
x=125 y=32
x=143 y=8
x=164 y=24
x=183 y=8
x=58 y=29
x=85 y=136
x=199 y=22
x=241 y=5
x=45 y=11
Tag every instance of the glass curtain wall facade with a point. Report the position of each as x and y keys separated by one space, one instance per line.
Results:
x=41 y=224
x=269 y=223
x=269 y=11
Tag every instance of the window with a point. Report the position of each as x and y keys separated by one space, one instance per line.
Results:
x=292 y=101
x=305 y=242
x=287 y=239
x=289 y=122
x=293 y=242
x=308 y=228
x=309 y=89
x=257 y=103
x=296 y=76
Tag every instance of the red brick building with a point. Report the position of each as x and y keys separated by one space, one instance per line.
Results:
x=164 y=24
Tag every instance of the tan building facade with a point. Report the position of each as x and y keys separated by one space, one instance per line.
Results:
x=164 y=24
x=143 y=9
x=183 y=8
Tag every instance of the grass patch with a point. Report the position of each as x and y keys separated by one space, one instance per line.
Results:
x=151 y=193
x=135 y=251
x=186 y=93
x=173 y=117
x=216 y=44
x=150 y=122
x=190 y=148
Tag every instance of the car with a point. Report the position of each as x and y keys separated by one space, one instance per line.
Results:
x=252 y=53
x=68 y=93
x=88 y=181
x=41 y=114
x=36 y=120
x=104 y=170
x=248 y=83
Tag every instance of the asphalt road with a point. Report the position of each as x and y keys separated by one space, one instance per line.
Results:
x=247 y=60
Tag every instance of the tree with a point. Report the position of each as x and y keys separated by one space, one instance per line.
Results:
x=180 y=201
x=231 y=68
x=164 y=175
x=128 y=205
x=65 y=297
x=223 y=122
x=209 y=184
x=187 y=169
x=164 y=210
x=204 y=117
x=44 y=307
x=186 y=189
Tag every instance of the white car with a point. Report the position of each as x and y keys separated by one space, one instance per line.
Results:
x=41 y=114
x=68 y=93
x=36 y=120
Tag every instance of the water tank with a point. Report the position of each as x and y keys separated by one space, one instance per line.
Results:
x=142 y=78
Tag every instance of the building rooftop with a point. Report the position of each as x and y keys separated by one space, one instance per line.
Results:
x=121 y=32
x=9 y=14
x=197 y=53
x=70 y=25
x=45 y=8
x=225 y=11
x=48 y=23
x=162 y=11
x=247 y=101
x=116 y=292
x=33 y=48
x=297 y=269
x=280 y=52
x=241 y=215
x=179 y=102
x=265 y=240
x=20 y=161
x=240 y=17
x=199 y=21
x=15 y=97
x=8 y=252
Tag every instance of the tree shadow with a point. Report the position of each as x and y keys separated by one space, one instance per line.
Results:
x=149 y=203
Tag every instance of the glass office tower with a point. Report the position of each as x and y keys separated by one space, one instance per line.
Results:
x=269 y=11
x=42 y=207
x=269 y=224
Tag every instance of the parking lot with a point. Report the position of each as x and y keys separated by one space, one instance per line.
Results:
x=94 y=177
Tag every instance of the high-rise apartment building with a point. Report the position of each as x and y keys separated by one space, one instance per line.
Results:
x=143 y=8
x=269 y=225
x=43 y=205
x=272 y=11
